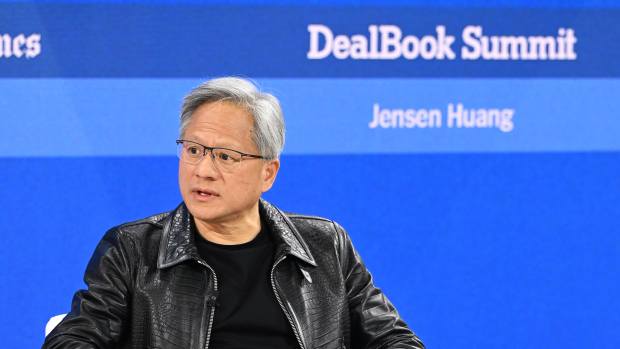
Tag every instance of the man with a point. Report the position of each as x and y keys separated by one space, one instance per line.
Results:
x=226 y=269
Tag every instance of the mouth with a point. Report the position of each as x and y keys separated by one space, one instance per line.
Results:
x=204 y=193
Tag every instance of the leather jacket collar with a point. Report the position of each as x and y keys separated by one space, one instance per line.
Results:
x=177 y=243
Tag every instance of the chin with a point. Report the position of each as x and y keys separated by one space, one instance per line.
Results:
x=202 y=211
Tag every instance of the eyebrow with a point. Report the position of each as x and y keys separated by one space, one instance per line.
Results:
x=224 y=146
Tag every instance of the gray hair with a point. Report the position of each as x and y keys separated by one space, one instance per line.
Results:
x=268 y=130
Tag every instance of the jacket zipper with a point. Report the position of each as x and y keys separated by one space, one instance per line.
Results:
x=212 y=306
x=296 y=330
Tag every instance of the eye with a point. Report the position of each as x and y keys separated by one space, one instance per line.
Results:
x=226 y=156
x=193 y=150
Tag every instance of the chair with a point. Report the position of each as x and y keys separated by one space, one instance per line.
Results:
x=53 y=322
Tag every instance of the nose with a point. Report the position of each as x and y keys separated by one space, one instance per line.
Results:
x=206 y=167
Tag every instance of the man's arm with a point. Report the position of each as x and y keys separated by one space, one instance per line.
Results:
x=375 y=323
x=98 y=315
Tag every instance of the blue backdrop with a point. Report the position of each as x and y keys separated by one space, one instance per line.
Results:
x=483 y=235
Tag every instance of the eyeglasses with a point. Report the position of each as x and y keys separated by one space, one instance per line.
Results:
x=226 y=159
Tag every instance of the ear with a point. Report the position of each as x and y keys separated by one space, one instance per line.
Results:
x=270 y=170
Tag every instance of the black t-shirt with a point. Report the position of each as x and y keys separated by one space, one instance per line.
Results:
x=247 y=314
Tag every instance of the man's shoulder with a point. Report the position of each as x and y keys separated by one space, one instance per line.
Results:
x=152 y=220
x=305 y=224
x=298 y=217
x=142 y=228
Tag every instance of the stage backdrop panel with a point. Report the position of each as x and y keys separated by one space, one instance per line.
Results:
x=471 y=149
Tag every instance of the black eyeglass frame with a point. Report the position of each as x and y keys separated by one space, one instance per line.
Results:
x=211 y=149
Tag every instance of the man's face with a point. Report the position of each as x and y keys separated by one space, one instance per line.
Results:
x=214 y=196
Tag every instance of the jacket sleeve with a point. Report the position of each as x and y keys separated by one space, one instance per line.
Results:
x=375 y=323
x=98 y=314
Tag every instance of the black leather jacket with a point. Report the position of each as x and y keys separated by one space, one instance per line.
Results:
x=148 y=288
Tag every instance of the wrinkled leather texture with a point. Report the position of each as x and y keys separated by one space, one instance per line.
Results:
x=148 y=288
